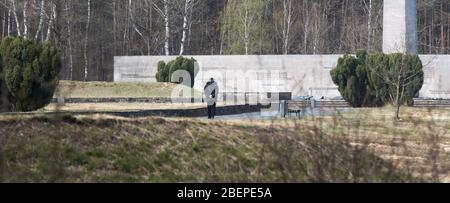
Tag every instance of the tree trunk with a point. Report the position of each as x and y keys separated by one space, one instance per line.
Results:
x=19 y=32
x=9 y=23
x=149 y=24
x=114 y=26
x=86 y=42
x=124 y=49
x=190 y=27
x=69 y=37
x=397 y=114
x=3 y=26
x=25 y=19
x=287 y=16
x=187 y=5
x=369 y=26
x=51 y=22
x=397 y=100
x=246 y=32
x=167 y=27
x=442 y=29
x=41 y=20
x=306 y=26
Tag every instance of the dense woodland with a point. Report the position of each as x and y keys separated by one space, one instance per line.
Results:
x=90 y=33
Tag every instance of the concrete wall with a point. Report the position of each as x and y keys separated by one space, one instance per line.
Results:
x=400 y=26
x=299 y=74
x=302 y=75
x=437 y=76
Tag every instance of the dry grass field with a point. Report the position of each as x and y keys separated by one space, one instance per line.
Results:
x=366 y=145
x=419 y=143
x=74 y=89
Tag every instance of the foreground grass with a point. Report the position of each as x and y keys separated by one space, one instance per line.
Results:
x=69 y=149
x=74 y=89
x=366 y=145
x=418 y=144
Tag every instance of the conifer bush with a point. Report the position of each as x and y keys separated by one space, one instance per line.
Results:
x=370 y=80
x=29 y=74
x=165 y=71
x=351 y=78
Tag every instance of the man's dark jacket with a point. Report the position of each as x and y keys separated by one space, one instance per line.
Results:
x=213 y=93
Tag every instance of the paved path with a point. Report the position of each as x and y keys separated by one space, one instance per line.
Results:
x=306 y=113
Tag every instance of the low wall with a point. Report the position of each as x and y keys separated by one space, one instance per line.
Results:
x=188 y=113
x=153 y=100
x=299 y=74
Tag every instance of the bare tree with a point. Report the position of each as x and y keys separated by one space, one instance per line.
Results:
x=369 y=6
x=245 y=26
x=69 y=36
x=187 y=10
x=86 y=41
x=166 y=15
x=307 y=20
x=19 y=33
x=400 y=75
x=25 y=19
x=41 y=20
x=51 y=21
x=284 y=19
x=9 y=22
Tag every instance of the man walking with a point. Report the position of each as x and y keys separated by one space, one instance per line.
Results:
x=211 y=92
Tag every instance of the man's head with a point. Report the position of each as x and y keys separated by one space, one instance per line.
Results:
x=212 y=80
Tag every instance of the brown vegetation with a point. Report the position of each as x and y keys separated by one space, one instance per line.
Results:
x=368 y=146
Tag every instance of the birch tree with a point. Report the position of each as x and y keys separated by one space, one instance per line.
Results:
x=186 y=18
x=51 y=20
x=86 y=41
x=143 y=31
x=9 y=22
x=244 y=26
x=16 y=18
x=164 y=13
x=25 y=19
x=373 y=10
x=69 y=35
x=41 y=20
x=133 y=22
x=284 y=19
x=306 y=24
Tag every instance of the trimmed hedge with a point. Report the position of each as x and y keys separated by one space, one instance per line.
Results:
x=370 y=80
x=165 y=71
x=351 y=78
x=28 y=73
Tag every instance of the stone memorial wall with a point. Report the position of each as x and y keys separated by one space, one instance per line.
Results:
x=300 y=74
